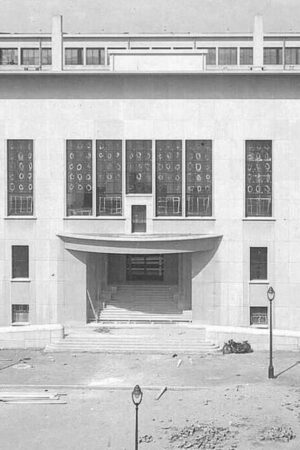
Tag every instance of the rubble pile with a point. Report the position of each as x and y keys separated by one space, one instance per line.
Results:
x=202 y=436
x=277 y=434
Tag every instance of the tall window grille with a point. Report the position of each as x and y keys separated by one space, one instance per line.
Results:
x=258 y=263
x=272 y=55
x=79 y=178
x=36 y=56
x=227 y=56
x=20 y=177
x=198 y=178
x=138 y=167
x=73 y=56
x=95 y=56
x=20 y=261
x=8 y=56
x=246 y=56
x=259 y=178
x=292 y=55
x=109 y=177
x=168 y=178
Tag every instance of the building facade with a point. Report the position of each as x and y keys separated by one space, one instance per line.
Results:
x=168 y=161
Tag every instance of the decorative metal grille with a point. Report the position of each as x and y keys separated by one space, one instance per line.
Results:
x=20 y=313
x=258 y=315
x=198 y=178
x=79 y=178
x=168 y=178
x=227 y=56
x=109 y=177
x=8 y=56
x=138 y=167
x=259 y=178
x=258 y=263
x=272 y=55
x=145 y=267
x=246 y=55
x=20 y=177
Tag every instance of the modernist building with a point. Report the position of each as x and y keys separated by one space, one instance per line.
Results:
x=151 y=177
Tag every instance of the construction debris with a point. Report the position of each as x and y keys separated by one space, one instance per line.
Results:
x=147 y=439
x=277 y=434
x=204 y=436
x=31 y=397
x=161 y=393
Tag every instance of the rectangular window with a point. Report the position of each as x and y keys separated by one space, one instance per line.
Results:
x=227 y=56
x=20 y=313
x=36 y=56
x=144 y=267
x=272 y=55
x=20 y=261
x=258 y=178
x=20 y=177
x=198 y=178
x=258 y=315
x=8 y=56
x=292 y=55
x=246 y=56
x=73 y=56
x=168 y=178
x=79 y=178
x=138 y=167
x=138 y=219
x=210 y=56
x=258 y=263
x=109 y=177
x=95 y=56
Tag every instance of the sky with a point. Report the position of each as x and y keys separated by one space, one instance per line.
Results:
x=153 y=16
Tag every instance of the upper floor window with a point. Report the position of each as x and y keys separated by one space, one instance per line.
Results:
x=292 y=55
x=227 y=56
x=272 y=55
x=73 y=56
x=258 y=263
x=168 y=178
x=20 y=177
x=35 y=56
x=95 y=56
x=139 y=167
x=210 y=56
x=20 y=261
x=198 y=178
x=109 y=177
x=246 y=56
x=8 y=56
x=259 y=178
x=79 y=178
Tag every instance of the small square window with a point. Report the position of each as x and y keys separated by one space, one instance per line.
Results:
x=258 y=315
x=20 y=313
x=258 y=263
x=20 y=261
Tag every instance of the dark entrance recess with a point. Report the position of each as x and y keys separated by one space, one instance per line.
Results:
x=144 y=267
x=138 y=219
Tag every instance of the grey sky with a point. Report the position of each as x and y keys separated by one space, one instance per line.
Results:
x=148 y=15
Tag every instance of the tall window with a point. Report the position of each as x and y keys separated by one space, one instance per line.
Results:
x=8 y=56
x=79 y=178
x=73 y=56
x=227 y=56
x=198 y=178
x=168 y=178
x=20 y=177
x=246 y=56
x=272 y=55
x=36 y=56
x=258 y=263
x=109 y=177
x=292 y=55
x=20 y=261
x=258 y=178
x=138 y=167
x=95 y=56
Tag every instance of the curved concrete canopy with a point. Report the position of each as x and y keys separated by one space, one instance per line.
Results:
x=140 y=243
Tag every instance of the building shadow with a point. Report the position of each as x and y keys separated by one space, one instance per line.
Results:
x=288 y=368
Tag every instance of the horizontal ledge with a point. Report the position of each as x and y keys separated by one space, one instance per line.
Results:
x=20 y=218
x=259 y=219
x=259 y=282
x=185 y=218
x=94 y=218
x=20 y=280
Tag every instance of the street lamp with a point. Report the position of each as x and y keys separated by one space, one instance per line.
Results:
x=137 y=397
x=271 y=296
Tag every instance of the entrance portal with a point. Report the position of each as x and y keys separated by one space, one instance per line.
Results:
x=144 y=267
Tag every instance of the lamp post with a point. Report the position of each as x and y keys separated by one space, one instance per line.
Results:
x=136 y=396
x=271 y=296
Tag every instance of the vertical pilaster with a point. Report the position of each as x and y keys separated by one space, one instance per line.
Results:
x=57 y=44
x=258 y=42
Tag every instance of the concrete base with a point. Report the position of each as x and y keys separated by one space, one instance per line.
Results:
x=257 y=337
x=30 y=336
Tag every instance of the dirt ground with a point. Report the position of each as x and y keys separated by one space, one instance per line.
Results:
x=212 y=402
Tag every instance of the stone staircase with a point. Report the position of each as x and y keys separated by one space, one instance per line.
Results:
x=151 y=339
x=142 y=303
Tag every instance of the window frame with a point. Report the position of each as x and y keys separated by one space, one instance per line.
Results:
x=101 y=52
x=14 y=271
x=231 y=59
x=79 y=61
x=16 y=56
x=242 y=57
x=253 y=264
x=14 y=307
x=278 y=56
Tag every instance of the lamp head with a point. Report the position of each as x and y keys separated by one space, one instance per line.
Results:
x=137 y=395
x=271 y=294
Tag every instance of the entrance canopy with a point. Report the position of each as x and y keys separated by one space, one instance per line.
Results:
x=140 y=243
